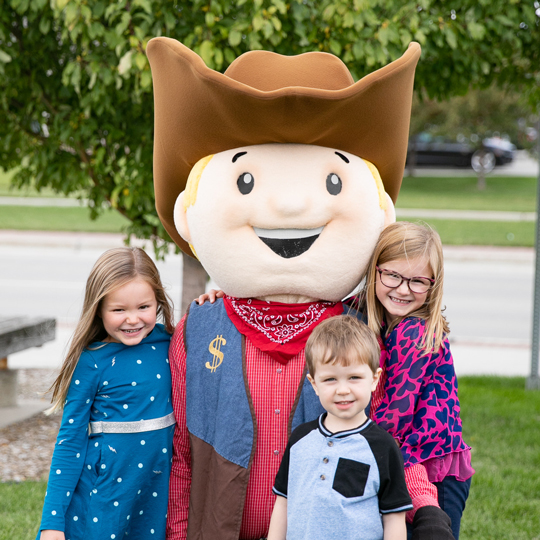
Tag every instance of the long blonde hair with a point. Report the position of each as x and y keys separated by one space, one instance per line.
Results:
x=114 y=269
x=404 y=240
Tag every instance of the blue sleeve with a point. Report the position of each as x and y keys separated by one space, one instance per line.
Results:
x=71 y=443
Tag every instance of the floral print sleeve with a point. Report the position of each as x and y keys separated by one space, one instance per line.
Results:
x=420 y=408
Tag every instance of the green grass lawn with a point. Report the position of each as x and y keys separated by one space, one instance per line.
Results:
x=482 y=233
x=50 y=218
x=20 y=509
x=6 y=190
x=460 y=193
x=501 y=421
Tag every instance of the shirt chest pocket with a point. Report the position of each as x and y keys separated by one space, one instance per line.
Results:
x=351 y=478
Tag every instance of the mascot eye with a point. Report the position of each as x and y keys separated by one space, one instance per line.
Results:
x=245 y=183
x=333 y=184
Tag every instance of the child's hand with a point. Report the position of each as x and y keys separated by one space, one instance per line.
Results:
x=52 y=535
x=210 y=296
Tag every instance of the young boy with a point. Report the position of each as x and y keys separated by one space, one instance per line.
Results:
x=340 y=472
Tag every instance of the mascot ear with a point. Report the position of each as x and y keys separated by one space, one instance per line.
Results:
x=389 y=213
x=180 y=218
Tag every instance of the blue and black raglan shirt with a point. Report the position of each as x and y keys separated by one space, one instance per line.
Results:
x=340 y=482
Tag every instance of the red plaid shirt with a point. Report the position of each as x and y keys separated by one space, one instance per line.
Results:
x=273 y=388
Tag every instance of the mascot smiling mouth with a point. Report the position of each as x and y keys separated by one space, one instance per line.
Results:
x=288 y=243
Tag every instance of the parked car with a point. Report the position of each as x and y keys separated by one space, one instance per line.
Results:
x=504 y=150
x=442 y=152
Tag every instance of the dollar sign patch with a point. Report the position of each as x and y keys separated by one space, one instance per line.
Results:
x=214 y=348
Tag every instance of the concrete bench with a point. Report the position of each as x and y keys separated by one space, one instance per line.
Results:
x=18 y=334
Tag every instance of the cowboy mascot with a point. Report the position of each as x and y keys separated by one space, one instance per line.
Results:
x=279 y=176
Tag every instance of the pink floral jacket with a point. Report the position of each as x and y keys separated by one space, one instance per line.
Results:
x=420 y=407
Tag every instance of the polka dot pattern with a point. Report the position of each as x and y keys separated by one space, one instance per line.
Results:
x=135 y=386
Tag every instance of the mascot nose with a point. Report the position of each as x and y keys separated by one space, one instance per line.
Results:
x=290 y=202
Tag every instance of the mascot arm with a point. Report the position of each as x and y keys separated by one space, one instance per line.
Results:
x=432 y=523
x=429 y=521
x=421 y=490
x=180 y=482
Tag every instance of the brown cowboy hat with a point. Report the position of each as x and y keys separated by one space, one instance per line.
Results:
x=265 y=97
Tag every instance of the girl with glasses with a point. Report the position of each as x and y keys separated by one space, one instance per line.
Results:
x=416 y=399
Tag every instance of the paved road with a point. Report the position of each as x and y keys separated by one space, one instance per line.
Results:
x=488 y=293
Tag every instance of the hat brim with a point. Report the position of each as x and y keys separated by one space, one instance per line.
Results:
x=199 y=111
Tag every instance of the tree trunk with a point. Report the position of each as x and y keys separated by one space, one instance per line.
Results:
x=194 y=280
x=481 y=182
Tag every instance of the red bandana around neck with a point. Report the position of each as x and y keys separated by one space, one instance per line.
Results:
x=281 y=330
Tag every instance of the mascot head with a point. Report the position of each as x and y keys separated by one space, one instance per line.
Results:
x=280 y=174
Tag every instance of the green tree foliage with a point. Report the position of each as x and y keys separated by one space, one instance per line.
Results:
x=76 y=89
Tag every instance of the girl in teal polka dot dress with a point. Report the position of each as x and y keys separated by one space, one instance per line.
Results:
x=110 y=469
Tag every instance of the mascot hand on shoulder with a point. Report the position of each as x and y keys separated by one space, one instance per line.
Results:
x=279 y=176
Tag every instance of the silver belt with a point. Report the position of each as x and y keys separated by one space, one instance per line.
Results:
x=133 y=427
